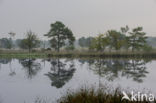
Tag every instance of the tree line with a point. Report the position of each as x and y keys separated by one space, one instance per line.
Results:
x=125 y=39
x=61 y=36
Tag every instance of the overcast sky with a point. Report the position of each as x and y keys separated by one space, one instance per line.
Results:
x=83 y=17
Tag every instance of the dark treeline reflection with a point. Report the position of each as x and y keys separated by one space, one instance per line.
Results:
x=31 y=67
x=60 y=72
x=4 y=61
x=112 y=69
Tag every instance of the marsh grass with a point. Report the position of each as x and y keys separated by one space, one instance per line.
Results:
x=91 y=95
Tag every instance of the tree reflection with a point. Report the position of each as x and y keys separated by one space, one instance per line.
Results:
x=31 y=66
x=136 y=69
x=113 y=69
x=12 y=70
x=5 y=61
x=61 y=72
x=89 y=61
x=8 y=61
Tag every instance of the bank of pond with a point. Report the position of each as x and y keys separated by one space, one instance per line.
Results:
x=85 y=54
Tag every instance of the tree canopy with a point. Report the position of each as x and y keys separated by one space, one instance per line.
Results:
x=31 y=41
x=123 y=39
x=59 y=34
x=85 y=42
x=6 y=43
x=137 y=38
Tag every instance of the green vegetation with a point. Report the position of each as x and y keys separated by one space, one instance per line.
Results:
x=91 y=95
x=75 y=54
x=151 y=41
x=31 y=41
x=6 y=43
x=123 y=43
x=24 y=55
x=104 y=55
x=137 y=39
x=99 y=43
x=59 y=33
x=115 y=40
x=85 y=42
x=121 y=40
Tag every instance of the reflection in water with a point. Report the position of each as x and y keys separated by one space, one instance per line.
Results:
x=5 y=61
x=31 y=66
x=60 y=72
x=8 y=61
x=136 y=69
x=113 y=69
x=12 y=70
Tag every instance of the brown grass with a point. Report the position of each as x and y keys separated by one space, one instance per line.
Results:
x=95 y=96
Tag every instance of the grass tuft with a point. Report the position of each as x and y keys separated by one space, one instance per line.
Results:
x=91 y=95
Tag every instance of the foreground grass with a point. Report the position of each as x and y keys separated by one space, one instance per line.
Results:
x=96 y=96
x=90 y=95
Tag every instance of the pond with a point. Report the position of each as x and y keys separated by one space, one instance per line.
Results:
x=23 y=80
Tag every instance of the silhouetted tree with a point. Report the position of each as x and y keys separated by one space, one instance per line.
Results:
x=124 y=32
x=6 y=43
x=116 y=39
x=12 y=35
x=31 y=41
x=100 y=43
x=85 y=42
x=137 y=38
x=59 y=34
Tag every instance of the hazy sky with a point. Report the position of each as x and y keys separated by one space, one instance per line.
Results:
x=83 y=17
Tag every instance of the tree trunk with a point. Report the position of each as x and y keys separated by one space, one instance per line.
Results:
x=133 y=45
x=58 y=64
x=58 y=43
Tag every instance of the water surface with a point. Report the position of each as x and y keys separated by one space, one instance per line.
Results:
x=23 y=80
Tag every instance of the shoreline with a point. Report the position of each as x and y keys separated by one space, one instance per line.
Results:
x=150 y=55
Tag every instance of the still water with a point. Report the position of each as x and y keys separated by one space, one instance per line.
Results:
x=23 y=80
